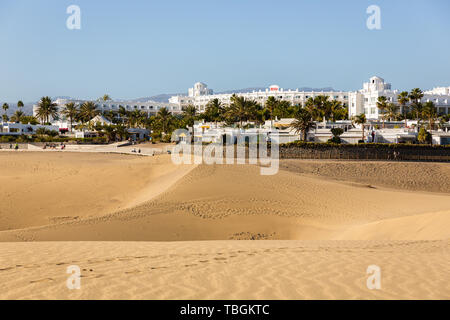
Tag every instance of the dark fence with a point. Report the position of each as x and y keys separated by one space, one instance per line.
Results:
x=400 y=152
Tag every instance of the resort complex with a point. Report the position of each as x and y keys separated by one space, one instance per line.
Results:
x=363 y=101
x=374 y=114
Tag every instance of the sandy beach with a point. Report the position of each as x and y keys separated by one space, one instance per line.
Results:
x=144 y=228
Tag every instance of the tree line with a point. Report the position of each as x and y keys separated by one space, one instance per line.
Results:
x=241 y=112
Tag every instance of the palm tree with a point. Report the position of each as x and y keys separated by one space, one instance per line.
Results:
x=70 y=111
x=242 y=108
x=213 y=111
x=382 y=105
x=430 y=112
x=17 y=116
x=415 y=96
x=88 y=111
x=338 y=110
x=136 y=118
x=271 y=104
x=110 y=132
x=105 y=98
x=361 y=119
x=403 y=99
x=319 y=107
x=164 y=117
x=189 y=114
x=283 y=109
x=122 y=132
x=5 y=107
x=123 y=114
x=303 y=122
x=391 y=111
x=46 y=109
x=20 y=104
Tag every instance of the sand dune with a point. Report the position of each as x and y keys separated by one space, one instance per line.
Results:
x=226 y=270
x=428 y=226
x=45 y=188
x=236 y=202
x=424 y=176
x=328 y=221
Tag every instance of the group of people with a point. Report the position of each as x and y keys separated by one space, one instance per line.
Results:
x=54 y=146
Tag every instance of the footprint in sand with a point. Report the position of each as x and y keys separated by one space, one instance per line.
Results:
x=42 y=280
x=132 y=272
x=6 y=269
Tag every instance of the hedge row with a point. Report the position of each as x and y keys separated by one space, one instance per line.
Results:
x=327 y=145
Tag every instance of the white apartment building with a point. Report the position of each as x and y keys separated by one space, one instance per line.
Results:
x=365 y=100
x=293 y=96
x=17 y=129
x=362 y=101
x=445 y=91
x=150 y=107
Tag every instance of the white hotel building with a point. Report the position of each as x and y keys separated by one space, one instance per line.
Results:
x=362 y=101
x=149 y=107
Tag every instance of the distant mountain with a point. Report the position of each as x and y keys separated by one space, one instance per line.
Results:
x=27 y=108
x=165 y=96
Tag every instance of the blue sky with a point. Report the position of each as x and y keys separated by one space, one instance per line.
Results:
x=132 y=49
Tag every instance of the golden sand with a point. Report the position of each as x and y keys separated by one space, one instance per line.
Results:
x=327 y=222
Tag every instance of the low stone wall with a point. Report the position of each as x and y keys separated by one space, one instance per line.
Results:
x=365 y=152
x=7 y=146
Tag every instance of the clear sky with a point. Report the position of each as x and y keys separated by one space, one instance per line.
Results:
x=134 y=48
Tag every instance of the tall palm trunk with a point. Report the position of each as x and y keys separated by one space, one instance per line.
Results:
x=404 y=114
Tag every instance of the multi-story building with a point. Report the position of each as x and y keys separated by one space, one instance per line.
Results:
x=358 y=102
x=150 y=107
x=200 y=100
x=366 y=99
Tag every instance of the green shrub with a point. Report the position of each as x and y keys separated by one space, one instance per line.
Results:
x=336 y=140
x=327 y=145
x=424 y=136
